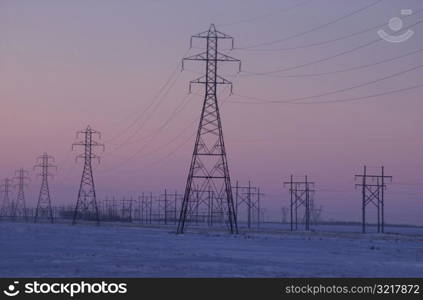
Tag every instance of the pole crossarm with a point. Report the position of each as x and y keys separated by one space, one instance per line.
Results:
x=372 y=191
x=86 y=205
x=44 y=208
x=208 y=183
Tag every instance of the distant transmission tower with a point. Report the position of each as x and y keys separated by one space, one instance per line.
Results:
x=44 y=209
x=19 y=207
x=301 y=193
x=86 y=205
x=373 y=191
x=209 y=168
x=6 y=208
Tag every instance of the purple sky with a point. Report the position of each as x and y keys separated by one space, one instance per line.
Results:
x=67 y=64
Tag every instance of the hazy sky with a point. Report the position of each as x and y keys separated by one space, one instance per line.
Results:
x=68 y=64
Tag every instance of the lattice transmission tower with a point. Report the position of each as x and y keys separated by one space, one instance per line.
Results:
x=6 y=208
x=209 y=167
x=44 y=209
x=19 y=207
x=86 y=205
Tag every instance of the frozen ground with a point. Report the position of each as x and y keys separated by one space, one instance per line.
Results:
x=61 y=250
x=334 y=227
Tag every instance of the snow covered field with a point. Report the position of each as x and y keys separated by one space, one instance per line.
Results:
x=62 y=250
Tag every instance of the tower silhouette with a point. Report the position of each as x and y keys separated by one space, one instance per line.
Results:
x=44 y=209
x=209 y=167
x=301 y=195
x=18 y=207
x=86 y=205
x=373 y=192
x=6 y=208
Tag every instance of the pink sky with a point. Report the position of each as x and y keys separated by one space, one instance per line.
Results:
x=67 y=64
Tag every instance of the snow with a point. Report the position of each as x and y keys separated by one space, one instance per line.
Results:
x=111 y=250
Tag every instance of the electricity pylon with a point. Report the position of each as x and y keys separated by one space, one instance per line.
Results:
x=209 y=168
x=300 y=196
x=86 y=205
x=44 y=209
x=373 y=191
x=6 y=208
x=18 y=206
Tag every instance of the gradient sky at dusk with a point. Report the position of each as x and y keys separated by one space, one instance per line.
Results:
x=67 y=64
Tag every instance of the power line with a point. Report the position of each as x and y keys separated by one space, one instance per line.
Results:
x=154 y=134
x=154 y=109
x=370 y=96
x=185 y=100
x=177 y=110
x=162 y=159
x=293 y=100
x=321 y=43
x=260 y=17
x=126 y=160
x=146 y=109
x=163 y=146
x=313 y=29
x=342 y=100
x=153 y=137
x=326 y=58
x=180 y=134
x=150 y=104
x=364 y=66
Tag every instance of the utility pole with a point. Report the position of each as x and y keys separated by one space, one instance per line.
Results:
x=307 y=204
x=142 y=208
x=209 y=168
x=249 y=204
x=165 y=207
x=6 y=209
x=373 y=191
x=259 y=195
x=19 y=207
x=300 y=196
x=175 y=206
x=250 y=196
x=126 y=210
x=382 y=194
x=146 y=208
x=86 y=205
x=150 y=201
x=44 y=201
x=291 y=193
x=163 y=203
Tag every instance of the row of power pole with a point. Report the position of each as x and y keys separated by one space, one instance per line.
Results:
x=372 y=187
